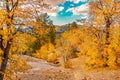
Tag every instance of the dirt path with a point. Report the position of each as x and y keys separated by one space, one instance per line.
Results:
x=42 y=70
x=97 y=74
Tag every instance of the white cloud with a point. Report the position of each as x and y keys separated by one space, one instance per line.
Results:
x=71 y=4
x=57 y=8
x=60 y=8
x=83 y=9
x=53 y=2
x=70 y=10
x=52 y=14
x=53 y=10
x=77 y=1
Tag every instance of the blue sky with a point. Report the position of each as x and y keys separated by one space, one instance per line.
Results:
x=70 y=11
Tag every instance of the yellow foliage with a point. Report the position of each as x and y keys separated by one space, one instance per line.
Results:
x=46 y=52
x=22 y=43
x=16 y=64
x=52 y=57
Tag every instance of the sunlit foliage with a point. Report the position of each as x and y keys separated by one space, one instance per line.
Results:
x=46 y=52
x=23 y=44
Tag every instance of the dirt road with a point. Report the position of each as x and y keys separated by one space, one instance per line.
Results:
x=42 y=70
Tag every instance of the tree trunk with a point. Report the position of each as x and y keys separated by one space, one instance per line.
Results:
x=100 y=44
x=101 y=56
x=107 y=41
x=10 y=6
x=4 y=61
x=107 y=34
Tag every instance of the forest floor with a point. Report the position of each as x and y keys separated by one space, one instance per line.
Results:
x=42 y=70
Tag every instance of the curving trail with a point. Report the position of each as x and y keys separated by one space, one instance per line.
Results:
x=42 y=70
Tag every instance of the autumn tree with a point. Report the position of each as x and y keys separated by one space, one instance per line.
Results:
x=23 y=44
x=44 y=30
x=105 y=14
x=13 y=18
x=70 y=44
x=7 y=33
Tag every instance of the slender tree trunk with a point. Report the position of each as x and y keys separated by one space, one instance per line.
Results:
x=107 y=41
x=100 y=44
x=107 y=33
x=4 y=61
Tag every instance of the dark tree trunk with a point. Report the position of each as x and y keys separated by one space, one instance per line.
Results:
x=4 y=60
x=9 y=16
x=100 y=45
x=107 y=41
x=107 y=32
